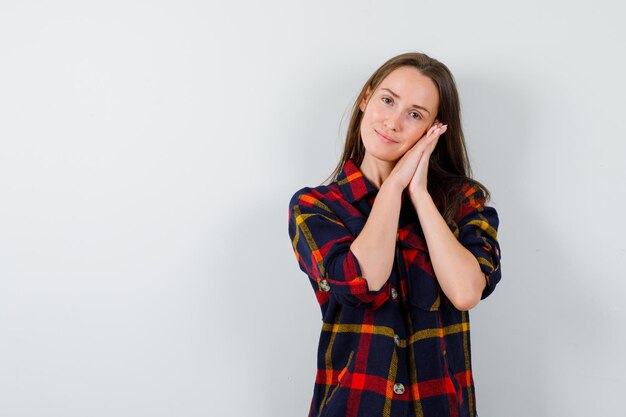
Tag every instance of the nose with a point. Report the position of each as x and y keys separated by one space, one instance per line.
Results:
x=391 y=121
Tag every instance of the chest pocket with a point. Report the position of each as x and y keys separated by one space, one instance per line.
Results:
x=413 y=262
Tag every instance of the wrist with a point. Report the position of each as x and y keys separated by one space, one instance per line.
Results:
x=392 y=187
x=420 y=197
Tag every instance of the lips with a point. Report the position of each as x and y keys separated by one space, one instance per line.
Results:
x=385 y=138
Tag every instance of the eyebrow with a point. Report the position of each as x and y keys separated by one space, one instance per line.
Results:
x=397 y=96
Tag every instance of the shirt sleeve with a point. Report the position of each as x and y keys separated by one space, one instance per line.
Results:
x=321 y=243
x=476 y=228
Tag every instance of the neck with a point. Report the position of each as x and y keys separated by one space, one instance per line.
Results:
x=376 y=170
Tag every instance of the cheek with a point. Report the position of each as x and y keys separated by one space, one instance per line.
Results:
x=367 y=121
x=418 y=132
x=373 y=113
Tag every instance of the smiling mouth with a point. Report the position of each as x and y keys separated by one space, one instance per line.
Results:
x=384 y=138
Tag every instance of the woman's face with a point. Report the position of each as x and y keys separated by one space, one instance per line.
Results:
x=399 y=112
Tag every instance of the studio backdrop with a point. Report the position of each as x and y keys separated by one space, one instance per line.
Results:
x=149 y=151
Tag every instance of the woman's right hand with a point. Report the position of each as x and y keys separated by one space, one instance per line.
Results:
x=404 y=169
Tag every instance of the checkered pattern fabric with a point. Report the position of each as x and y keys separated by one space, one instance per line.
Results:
x=403 y=350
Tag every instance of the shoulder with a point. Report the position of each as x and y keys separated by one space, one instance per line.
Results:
x=472 y=192
x=320 y=196
x=471 y=196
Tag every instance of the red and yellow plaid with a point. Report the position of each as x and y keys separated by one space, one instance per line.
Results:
x=403 y=350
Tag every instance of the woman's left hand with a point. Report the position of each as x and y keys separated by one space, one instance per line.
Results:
x=418 y=182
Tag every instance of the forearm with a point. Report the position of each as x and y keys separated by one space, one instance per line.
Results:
x=456 y=268
x=375 y=245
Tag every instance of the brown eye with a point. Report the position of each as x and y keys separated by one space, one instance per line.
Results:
x=386 y=98
x=417 y=115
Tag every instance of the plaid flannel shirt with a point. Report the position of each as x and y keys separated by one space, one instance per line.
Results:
x=403 y=350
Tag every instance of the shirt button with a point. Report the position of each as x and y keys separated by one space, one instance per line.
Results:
x=324 y=285
x=394 y=293
x=398 y=388
x=396 y=339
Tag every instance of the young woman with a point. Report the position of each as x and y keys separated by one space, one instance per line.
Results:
x=398 y=247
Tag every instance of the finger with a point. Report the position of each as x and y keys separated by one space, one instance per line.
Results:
x=421 y=145
x=434 y=144
x=436 y=134
x=440 y=129
x=433 y=129
x=430 y=144
x=430 y=148
x=433 y=134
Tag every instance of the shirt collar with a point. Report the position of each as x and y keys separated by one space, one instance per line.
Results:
x=353 y=184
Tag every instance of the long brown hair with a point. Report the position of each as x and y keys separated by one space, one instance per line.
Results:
x=449 y=164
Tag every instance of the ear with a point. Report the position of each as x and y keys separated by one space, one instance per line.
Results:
x=363 y=103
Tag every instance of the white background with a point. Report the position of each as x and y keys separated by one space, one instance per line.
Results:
x=149 y=151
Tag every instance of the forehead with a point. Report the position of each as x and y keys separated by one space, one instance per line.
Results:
x=412 y=86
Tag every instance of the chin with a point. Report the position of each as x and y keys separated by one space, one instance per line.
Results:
x=387 y=156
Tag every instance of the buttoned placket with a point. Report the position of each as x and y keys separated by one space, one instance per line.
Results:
x=398 y=387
